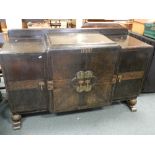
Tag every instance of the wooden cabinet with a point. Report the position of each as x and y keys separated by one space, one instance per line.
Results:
x=68 y=70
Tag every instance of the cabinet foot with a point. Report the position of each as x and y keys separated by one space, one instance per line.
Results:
x=132 y=105
x=16 y=121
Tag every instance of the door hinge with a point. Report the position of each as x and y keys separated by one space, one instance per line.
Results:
x=50 y=85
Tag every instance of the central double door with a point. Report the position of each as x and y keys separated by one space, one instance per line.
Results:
x=81 y=78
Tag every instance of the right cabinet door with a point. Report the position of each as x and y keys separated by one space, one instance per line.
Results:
x=131 y=71
x=102 y=63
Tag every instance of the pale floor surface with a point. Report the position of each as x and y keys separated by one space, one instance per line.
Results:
x=115 y=119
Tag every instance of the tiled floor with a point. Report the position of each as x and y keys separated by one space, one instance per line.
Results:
x=115 y=119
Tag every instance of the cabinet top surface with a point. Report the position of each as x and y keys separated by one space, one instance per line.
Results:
x=126 y=41
x=78 y=39
x=24 y=45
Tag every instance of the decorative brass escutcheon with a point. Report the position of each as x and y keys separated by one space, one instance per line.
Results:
x=83 y=81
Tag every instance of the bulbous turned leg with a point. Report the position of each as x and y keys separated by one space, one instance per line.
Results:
x=132 y=104
x=16 y=121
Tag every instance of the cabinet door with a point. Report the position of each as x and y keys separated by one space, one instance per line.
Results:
x=65 y=64
x=82 y=78
x=132 y=66
x=102 y=63
x=26 y=82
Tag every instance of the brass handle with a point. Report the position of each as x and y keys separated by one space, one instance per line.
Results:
x=119 y=78
x=41 y=84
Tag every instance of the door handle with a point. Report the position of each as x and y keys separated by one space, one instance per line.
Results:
x=41 y=85
x=119 y=78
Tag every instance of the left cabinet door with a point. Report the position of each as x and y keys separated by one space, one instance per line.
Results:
x=25 y=78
